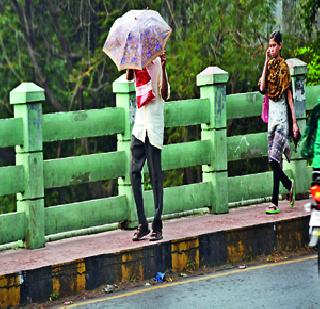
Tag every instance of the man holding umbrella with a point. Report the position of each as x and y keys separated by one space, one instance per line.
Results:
x=136 y=42
x=147 y=141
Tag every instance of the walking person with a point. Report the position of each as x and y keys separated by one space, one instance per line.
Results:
x=275 y=83
x=152 y=88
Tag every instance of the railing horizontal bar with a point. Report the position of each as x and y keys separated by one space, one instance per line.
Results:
x=11 y=132
x=253 y=186
x=187 y=112
x=13 y=245
x=77 y=216
x=247 y=146
x=186 y=154
x=12 y=227
x=87 y=231
x=83 y=169
x=181 y=198
x=84 y=123
x=192 y=212
x=250 y=202
x=11 y=179
x=244 y=105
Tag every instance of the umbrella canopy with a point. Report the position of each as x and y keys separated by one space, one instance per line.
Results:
x=136 y=38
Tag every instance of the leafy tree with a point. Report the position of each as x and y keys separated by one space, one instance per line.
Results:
x=228 y=34
x=312 y=57
x=310 y=52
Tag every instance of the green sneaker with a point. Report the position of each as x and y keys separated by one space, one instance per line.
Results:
x=273 y=210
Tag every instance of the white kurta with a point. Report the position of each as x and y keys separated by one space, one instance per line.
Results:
x=149 y=119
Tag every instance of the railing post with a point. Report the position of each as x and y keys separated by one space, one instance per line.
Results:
x=27 y=104
x=212 y=82
x=298 y=165
x=125 y=98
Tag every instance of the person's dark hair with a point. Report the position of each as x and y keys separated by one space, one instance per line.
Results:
x=276 y=35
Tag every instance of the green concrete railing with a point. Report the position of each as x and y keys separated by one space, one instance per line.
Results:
x=29 y=129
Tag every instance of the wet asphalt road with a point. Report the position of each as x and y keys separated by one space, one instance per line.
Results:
x=292 y=284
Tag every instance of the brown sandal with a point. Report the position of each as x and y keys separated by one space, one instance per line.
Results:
x=140 y=232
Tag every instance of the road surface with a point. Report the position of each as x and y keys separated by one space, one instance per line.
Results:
x=290 y=284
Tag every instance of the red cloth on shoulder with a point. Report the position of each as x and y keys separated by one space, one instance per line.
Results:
x=144 y=93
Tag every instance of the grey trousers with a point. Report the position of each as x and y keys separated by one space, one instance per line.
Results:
x=139 y=153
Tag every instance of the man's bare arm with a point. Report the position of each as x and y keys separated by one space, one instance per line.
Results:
x=164 y=82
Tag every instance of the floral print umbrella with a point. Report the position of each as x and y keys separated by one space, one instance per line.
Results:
x=136 y=38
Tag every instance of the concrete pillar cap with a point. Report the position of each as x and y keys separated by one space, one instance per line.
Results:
x=122 y=85
x=25 y=93
x=297 y=67
x=211 y=76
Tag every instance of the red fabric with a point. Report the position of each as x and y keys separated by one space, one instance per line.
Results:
x=144 y=93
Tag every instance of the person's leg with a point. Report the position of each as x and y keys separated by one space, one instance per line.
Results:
x=284 y=179
x=276 y=181
x=138 y=158
x=279 y=175
x=156 y=177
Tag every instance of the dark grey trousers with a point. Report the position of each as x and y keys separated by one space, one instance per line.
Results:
x=139 y=153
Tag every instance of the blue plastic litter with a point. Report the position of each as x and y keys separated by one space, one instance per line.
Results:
x=159 y=277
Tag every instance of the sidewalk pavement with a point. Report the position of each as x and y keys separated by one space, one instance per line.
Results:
x=66 y=267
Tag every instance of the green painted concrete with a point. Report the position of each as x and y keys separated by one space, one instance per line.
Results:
x=212 y=82
x=244 y=105
x=220 y=196
x=34 y=223
x=32 y=126
x=11 y=132
x=218 y=150
x=297 y=67
x=27 y=105
x=194 y=154
x=83 y=169
x=79 y=124
x=76 y=216
x=7 y=222
x=121 y=85
x=11 y=179
x=217 y=97
x=29 y=129
x=125 y=99
x=211 y=76
x=33 y=175
x=26 y=93
x=247 y=146
x=181 y=198
x=242 y=188
x=187 y=112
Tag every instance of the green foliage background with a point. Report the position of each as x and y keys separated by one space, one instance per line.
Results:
x=58 y=45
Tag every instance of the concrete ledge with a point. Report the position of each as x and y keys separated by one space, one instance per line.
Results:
x=68 y=266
